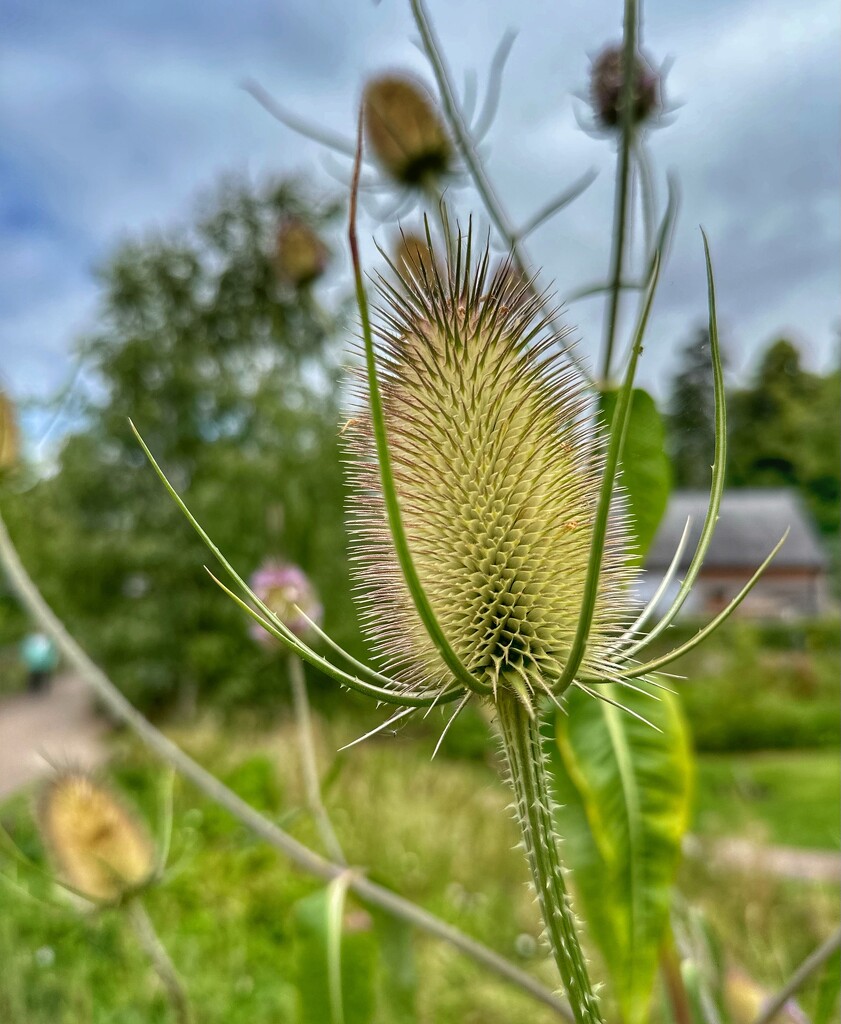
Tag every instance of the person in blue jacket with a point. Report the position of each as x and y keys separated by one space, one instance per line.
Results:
x=40 y=657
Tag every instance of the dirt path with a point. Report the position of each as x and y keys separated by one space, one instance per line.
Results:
x=58 y=727
x=742 y=855
x=61 y=727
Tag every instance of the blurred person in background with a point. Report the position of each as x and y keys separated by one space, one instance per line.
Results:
x=40 y=658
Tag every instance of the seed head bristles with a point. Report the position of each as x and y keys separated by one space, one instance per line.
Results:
x=497 y=467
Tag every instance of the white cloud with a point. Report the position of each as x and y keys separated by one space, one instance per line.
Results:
x=115 y=119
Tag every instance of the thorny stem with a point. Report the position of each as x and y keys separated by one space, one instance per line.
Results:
x=160 y=960
x=215 y=790
x=623 y=185
x=309 y=765
x=533 y=806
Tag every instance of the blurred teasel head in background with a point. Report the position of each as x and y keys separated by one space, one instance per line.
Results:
x=606 y=89
x=100 y=847
x=287 y=591
x=300 y=255
x=405 y=132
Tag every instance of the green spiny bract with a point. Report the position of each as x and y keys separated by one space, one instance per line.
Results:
x=497 y=467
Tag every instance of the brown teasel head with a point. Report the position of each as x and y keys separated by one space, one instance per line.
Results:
x=497 y=469
x=606 y=88
x=97 y=844
x=9 y=434
x=405 y=132
x=300 y=255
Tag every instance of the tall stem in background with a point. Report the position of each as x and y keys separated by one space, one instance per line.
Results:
x=160 y=960
x=623 y=184
x=309 y=766
x=533 y=805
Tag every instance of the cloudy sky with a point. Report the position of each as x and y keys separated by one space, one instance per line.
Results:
x=116 y=116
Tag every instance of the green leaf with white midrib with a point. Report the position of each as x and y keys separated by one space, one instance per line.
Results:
x=625 y=790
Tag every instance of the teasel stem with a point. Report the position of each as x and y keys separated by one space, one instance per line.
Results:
x=622 y=205
x=533 y=806
x=476 y=168
x=160 y=960
x=309 y=765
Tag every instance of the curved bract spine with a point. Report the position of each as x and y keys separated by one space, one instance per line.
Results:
x=719 y=468
x=606 y=494
x=278 y=630
x=392 y=503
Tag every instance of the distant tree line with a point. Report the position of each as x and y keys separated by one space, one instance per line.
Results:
x=230 y=368
x=784 y=427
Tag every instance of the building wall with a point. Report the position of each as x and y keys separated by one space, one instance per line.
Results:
x=779 y=594
x=783 y=594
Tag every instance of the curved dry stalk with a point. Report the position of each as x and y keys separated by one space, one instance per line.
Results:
x=813 y=962
x=160 y=960
x=226 y=798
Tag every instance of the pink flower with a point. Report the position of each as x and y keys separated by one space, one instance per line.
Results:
x=285 y=588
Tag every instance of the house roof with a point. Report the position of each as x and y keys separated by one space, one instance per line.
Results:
x=750 y=523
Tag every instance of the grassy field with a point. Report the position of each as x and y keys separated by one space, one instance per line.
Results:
x=233 y=912
x=787 y=797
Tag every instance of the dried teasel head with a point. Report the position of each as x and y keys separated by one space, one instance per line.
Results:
x=497 y=470
x=284 y=588
x=99 y=846
x=300 y=255
x=404 y=131
x=9 y=436
x=606 y=88
x=413 y=250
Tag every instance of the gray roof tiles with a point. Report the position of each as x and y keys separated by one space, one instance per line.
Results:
x=750 y=524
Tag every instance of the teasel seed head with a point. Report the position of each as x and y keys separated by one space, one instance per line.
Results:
x=99 y=846
x=404 y=131
x=9 y=436
x=606 y=86
x=300 y=255
x=283 y=586
x=497 y=469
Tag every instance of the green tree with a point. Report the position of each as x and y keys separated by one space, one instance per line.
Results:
x=691 y=414
x=784 y=432
x=230 y=375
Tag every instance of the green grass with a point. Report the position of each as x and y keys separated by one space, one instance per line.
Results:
x=230 y=908
x=786 y=797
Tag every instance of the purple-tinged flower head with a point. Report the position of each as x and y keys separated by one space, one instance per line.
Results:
x=606 y=86
x=285 y=588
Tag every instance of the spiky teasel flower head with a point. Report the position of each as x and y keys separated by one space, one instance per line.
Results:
x=404 y=131
x=606 y=86
x=284 y=588
x=9 y=438
x=497 y=470
x=300 y=255
x=99 y=846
